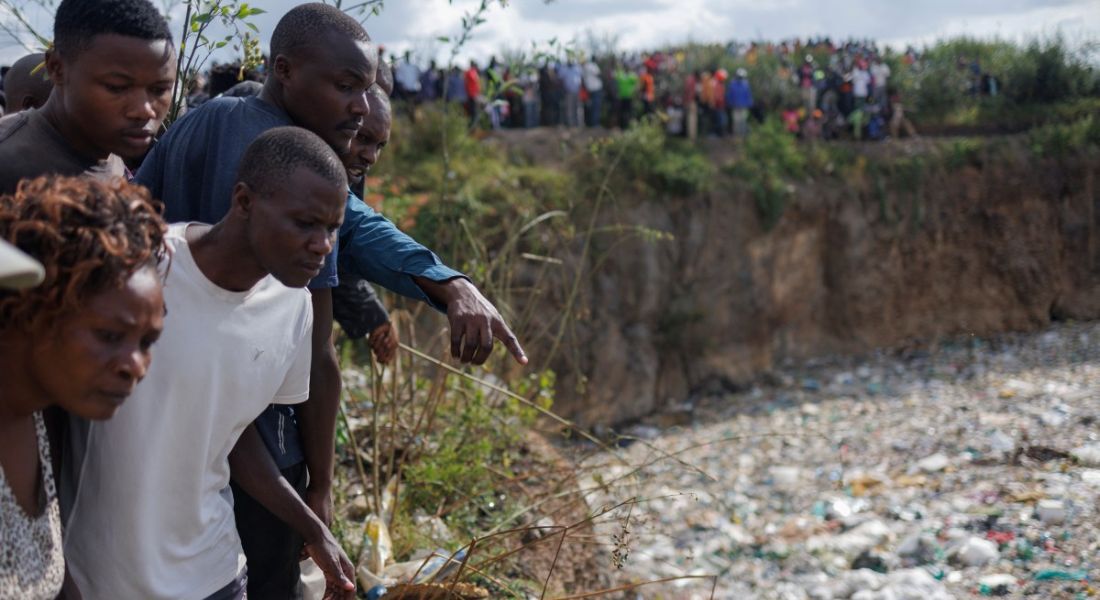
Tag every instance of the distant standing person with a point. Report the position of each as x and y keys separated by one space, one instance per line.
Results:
x=407 y=77
x=880 y=75
x=530 y=83
x=898 y=120
x=649 y=90
x=861 y=84
x=455 y=88
x=593 y=82
x=571 y=81
x=430 y=83
x=471 y=81
x=626 y=84
x=739 y=99
x=806 y=84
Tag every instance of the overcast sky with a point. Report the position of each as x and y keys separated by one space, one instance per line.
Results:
x=639 y=24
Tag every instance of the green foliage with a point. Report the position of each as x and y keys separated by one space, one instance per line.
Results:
x=963 y=152
x=196 y=47
x=771 y=159
x=1064 y=139
x=647 y=156
x=1034 y=80
x=470 y=447
x=1046 y=72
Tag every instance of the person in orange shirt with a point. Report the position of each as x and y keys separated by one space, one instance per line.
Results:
x=705 y=90
x=718 y=102
x=649 y=91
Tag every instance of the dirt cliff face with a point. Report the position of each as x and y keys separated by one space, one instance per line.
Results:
x=859 y=261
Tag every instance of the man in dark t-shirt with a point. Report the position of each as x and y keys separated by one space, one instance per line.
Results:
x=112 y=67
x=30 y=146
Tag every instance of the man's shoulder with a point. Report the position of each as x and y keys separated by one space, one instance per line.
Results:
x=228 y=115
x=11 y=125
x=27 y=151
x=14 y=142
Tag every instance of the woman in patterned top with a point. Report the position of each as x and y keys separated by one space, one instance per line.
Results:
x=80 y=341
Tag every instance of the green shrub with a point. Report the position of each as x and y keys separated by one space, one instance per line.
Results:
x=1060 y=140
x=647 y=156
x=962 y=152
x=770 y=159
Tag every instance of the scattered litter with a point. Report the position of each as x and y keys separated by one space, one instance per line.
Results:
x=944 y=474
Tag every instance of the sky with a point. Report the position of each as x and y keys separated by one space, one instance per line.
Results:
x=639 y=24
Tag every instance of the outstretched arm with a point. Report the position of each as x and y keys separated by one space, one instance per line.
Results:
x=373 y=248
x=474 y=320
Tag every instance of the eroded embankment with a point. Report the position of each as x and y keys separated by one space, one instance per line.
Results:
x=916 y=246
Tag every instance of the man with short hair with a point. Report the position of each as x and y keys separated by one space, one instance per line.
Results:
x=355 y=305
x=323 y=63
x=272 y=546
x=27 y=85
x=112 y=66
x=153 y=516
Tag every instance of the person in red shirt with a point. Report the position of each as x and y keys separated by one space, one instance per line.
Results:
x=472 y=80
x=649 y=91
x=790 y=119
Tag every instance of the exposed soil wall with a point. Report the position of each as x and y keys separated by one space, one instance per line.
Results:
x=866 y=260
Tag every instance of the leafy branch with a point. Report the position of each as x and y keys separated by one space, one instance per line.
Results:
x=23 y=27
x=196 y=47
x=365 y=9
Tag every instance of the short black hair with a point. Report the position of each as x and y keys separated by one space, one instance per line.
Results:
x=21 y=82
x=378 y=98
x=303 y=25
x=78 y=21
x=384 y=76
x=271 y=159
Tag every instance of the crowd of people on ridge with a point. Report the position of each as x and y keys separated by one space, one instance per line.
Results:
x=847 y=93
x=168 y=382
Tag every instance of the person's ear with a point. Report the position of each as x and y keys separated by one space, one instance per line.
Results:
x=282 y=67
x=55 y=67
x=27 y=103
x=244 y=200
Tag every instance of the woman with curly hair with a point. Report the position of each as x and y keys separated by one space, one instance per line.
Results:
x=79 y=341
